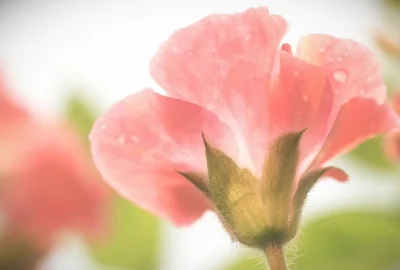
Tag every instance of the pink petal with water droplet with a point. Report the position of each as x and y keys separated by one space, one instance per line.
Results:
x=301 y=98
x=357 y=120
x=200 y=62
x=140 y=142
x=249 y=122
x=355 y=70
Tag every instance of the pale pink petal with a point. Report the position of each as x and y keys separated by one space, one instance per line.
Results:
x=52 y=185
x=287 y=48
x=15 y=122
x=395 y=102
x=392 y=139
x=357 y=120
x=391 y=144
x=354 y=70
x=224 y=64
x=11 y=111
x=140 y=142
x=301 y=99
x=250 y=122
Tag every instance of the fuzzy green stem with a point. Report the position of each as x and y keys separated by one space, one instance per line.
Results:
x=275 y=257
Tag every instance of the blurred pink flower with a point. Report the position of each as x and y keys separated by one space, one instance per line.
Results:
x=392 y=139
x=227 y=76
x=48 y=181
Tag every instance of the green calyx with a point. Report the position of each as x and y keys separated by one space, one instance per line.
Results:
x=258 y=211
x=278 y=176
x=234 y=192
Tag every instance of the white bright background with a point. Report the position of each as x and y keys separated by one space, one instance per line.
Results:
x=47 y=47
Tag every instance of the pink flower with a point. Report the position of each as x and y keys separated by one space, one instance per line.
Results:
x=227 y=77
x=48 y=182
x=392 y=139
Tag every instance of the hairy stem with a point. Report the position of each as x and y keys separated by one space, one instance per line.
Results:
x=275 y=257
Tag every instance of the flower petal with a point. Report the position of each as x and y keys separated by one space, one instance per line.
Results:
x=140 y=142
x=224 y=63
x=336 y=173
x=357 y=120
x=392 y=139
x=395 y=102
x=355 y=70
x=301 y=99
x=391 y=144
x=51 y=185
x=11 y=112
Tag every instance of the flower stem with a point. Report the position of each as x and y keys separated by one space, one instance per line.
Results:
x=275 y=257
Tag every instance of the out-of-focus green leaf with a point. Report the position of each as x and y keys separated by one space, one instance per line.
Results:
x=371 y=153
x=135 y=239
x=393 y=3
x=348 y=241
x=250 y=262
x=80 y=113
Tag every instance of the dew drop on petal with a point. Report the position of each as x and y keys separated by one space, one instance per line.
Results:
x=296 y=73
x=175 y=49
x=340 y=76
x=103 y=127
x=248 y=37
x=340 y=59
x=362 y=91
x=134 y=139
x=322 y=49
x=121 y=139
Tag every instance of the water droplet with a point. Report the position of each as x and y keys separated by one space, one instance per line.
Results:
x=213 y=50
x=340 y=76
x=369 y=78
x=121 y=139
x=362 y=91
x=134 y=139
x=175 y=49
x=346 y=54
x=191 y=54
x=248 y=37
x=322 y=50
x=103 y=127
x=340 y=59
x=330 y=59
x=296 y=73
x=305 y=97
